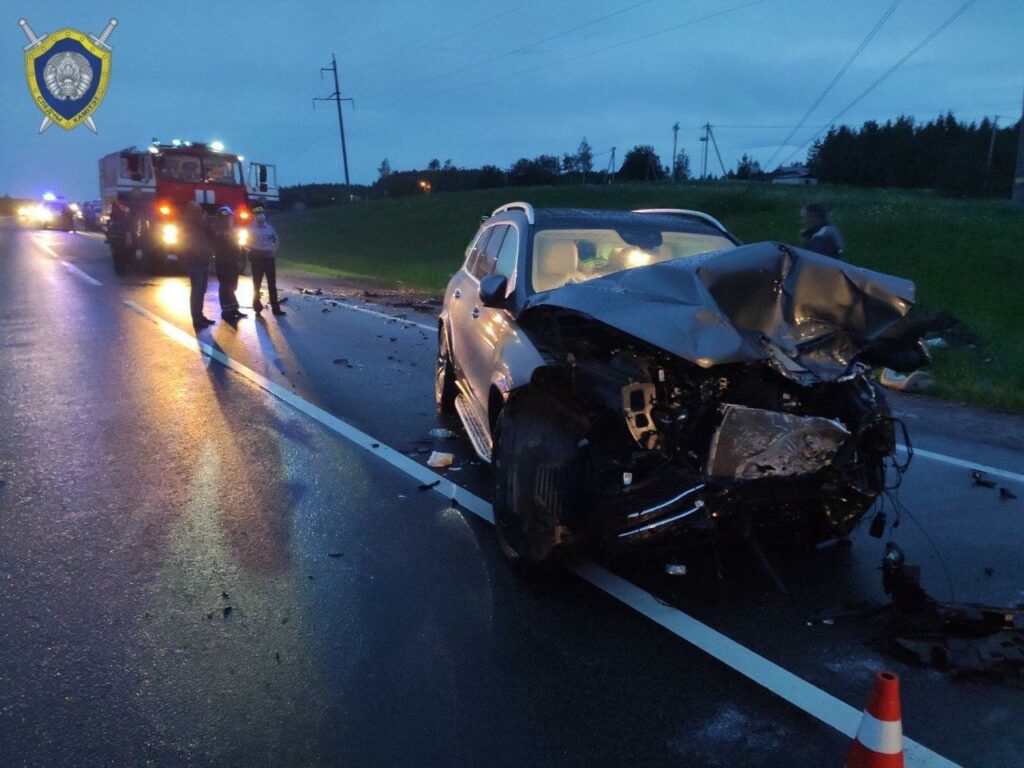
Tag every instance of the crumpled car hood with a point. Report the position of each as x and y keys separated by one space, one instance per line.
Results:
x=758 y=302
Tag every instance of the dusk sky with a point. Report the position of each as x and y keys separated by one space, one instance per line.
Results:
x=479 y=81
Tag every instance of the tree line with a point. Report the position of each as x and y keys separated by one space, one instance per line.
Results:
x=944 y=154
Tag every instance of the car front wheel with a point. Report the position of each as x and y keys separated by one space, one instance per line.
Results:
x=539 y=478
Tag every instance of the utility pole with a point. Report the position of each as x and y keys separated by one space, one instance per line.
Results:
x=991 y=151
x=337 y=99
x=717 y=153
x=675 y=143
x=1018 y=177
x=704 y=152
x=611 y=166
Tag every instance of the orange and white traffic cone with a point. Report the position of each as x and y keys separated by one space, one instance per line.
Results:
x=879 y=740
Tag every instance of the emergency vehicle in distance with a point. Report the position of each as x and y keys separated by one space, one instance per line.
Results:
x=145 y=191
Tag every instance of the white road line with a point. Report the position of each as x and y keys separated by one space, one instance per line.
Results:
x=955 y=462
x=931 y=455
x=85 y=276
x=53 y=254
x=70 y=267
x=795 y=690
x=375 y=313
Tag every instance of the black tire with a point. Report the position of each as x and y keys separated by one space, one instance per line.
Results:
x=539 y=479
x=445 y=390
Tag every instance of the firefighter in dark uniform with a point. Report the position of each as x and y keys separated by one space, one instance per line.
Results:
x=227 y=252
x=197 y=260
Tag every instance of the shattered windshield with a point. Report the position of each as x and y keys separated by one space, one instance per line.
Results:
x=562 y=256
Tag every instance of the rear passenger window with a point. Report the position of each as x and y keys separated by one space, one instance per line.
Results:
x=507 y=255
x=484 y=264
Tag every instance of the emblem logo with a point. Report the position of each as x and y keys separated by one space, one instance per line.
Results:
x=67 y=73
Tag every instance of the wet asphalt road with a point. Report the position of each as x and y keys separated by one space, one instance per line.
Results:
x=192 y=572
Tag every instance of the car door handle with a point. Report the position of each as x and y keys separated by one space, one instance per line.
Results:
x=475 y=312
x=457 y=294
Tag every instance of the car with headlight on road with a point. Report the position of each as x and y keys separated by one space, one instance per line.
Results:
x=638 y=375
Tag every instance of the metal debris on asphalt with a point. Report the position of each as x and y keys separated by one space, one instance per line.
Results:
x=961 y=637
x=335 y=554
x=675 y=569
x=440 y=433
x=1004 y=493
x=980 y=480
x=429 y=486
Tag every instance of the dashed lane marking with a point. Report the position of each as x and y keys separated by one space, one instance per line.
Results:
x=793 y=689
x=84 y=275
x=68 y=265
x=355 y=308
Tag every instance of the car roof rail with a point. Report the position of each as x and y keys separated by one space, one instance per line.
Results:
x=518 y=206
x=685 y=212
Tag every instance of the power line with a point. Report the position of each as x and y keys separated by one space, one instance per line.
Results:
x=838 y=76
x=885 y=75
x=438 y=40
x=521 y=49
x=577 y=57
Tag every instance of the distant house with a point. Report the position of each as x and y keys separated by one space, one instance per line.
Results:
x=793 y=174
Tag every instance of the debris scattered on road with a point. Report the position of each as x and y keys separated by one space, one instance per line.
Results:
x=227 y=611
x=282 y=300
x=440 y=433
x=332 y=303
x=439 y=460
x=375 y=445
x=342 y=361
x=325 y=310
x=429 y=486
x=989 y=570
x=1004 y=493
x=675 y=569
x=979 y=479
x=311 y=291
x=277 y=657
x=918 y=381
x=961 y=637
x=225 y=595
x=335 y=554
x=392 y=338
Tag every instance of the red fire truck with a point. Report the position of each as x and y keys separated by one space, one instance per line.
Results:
x=145 y=191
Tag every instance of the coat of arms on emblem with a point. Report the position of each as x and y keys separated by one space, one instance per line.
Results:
x=67 y=73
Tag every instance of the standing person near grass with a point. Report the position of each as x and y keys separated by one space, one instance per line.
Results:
x=817 y=233
x=262 y=246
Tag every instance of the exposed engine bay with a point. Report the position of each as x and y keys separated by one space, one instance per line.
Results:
x=669 y=440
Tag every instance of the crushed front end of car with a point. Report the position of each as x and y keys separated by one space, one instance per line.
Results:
x=730 y=389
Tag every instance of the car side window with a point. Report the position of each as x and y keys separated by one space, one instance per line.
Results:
x=477 y=249
x=506 y=264
x=484 y=264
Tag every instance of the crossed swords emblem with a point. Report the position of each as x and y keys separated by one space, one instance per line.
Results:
x=35 y=41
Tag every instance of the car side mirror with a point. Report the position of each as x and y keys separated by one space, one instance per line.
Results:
x=493 y=289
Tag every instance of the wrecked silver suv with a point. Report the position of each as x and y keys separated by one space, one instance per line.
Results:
x=636 y=374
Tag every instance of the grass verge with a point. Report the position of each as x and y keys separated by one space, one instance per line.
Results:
x=965 y=256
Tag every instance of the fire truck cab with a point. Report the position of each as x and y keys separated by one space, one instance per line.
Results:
x=145 y=192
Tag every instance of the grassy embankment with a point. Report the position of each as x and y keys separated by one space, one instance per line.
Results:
x=966 y=257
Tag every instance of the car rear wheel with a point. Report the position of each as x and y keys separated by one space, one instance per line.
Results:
x=539 y=478
x=444 y=377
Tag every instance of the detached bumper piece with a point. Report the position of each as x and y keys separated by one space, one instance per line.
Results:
x=756 y=444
